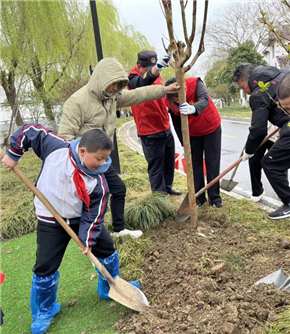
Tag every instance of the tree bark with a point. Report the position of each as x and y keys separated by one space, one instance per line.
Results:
x=40 y=87
x=187 y=150
x=8 y=84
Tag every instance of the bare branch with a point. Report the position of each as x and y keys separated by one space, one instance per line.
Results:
x=192 y=35
x=172 y=48
x=182 y=7
x=201 y=43
x=166 y=49
x=286 y=3
x=193 y=29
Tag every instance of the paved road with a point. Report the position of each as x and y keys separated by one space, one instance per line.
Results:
x=233 y=139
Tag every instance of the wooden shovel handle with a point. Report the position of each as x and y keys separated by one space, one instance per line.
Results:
x=58 y=217
x=212 y=182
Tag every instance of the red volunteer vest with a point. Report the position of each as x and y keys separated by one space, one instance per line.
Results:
x=207 y=121
x=152 y=116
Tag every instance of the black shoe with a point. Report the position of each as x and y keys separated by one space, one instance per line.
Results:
x=217 y=203
x=200 y=203
x=280 y=213
x=174 y=192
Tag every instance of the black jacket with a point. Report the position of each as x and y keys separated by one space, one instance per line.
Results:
x=263 y=108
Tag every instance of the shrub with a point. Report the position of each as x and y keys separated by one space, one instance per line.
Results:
x=148 y=212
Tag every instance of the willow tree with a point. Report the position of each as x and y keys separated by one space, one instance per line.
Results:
x=36 y=43
x=182 y=52
x=47 y=44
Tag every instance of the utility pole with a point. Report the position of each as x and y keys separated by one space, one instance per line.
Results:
x=115 y=153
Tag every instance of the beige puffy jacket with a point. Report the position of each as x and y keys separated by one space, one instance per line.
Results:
x=89 y=108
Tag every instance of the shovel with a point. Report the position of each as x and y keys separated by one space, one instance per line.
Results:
x=230 y=184
x=183 y=212
x=278 y=278
x=120 y=290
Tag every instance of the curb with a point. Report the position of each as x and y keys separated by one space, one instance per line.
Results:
x=245 y=120
x=266 y=204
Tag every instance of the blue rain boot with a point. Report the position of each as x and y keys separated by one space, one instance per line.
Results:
x=111 y=263
x=43 y=302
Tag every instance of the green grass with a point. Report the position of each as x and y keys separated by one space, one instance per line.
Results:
x=89 y=314
x=282 y=325
x=78 y=280
x=236 y=110
x=233 y=260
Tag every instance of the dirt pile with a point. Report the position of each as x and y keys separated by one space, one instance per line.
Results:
x=200 y=281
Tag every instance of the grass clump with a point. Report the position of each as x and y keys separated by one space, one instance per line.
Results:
x=233 y=260
x=19 y=220
x=17 y=212
x=148 y=212
x=131 y=256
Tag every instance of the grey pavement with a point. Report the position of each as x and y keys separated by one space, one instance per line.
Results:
x=234 y=128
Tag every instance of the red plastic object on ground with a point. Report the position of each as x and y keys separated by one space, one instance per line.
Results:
x=184 y=166
x=2 y=277
x=176 y=162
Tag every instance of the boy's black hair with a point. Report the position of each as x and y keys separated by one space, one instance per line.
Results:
x=95 y=140
x=283 y=90
x=170 y=81
x=242 y=72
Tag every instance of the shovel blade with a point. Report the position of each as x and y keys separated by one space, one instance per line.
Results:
x=128 y=295
x=228 y=185
x=278 y=278
x=183 y=212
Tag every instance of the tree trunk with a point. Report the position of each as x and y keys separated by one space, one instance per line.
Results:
x=187 y=149
x=8 y=84
x=40 y=87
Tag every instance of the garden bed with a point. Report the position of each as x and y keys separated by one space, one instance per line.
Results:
x=200 y=281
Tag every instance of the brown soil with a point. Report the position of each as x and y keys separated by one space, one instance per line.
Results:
x=200 y=283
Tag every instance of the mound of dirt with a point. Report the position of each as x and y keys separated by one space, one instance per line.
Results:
x=201 y=281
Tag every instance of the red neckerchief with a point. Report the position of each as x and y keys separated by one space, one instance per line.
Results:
x=80 y=184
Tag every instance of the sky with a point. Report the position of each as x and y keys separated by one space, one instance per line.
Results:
x=148 y=18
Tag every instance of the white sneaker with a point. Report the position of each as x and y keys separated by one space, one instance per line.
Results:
x=257 y=198
x=134 y=234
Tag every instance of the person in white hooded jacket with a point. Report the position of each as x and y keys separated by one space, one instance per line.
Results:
x=94 y=107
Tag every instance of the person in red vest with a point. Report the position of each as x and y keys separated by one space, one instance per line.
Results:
x=153 y=124
x=205 y=134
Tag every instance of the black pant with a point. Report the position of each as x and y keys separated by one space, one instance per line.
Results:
x=117 y=203
x=256 y=168
x=52 y=241
x=209 y=146
x=159 y=152
x=276 y=164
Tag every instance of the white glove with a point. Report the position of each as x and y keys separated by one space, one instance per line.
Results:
x=187 y=109
x=247 y=156
x=162 y=62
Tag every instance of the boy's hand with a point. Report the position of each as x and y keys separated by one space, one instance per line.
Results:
x=8 y=163
x=86 y=250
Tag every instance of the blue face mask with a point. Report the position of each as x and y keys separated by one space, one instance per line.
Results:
x=80 y=163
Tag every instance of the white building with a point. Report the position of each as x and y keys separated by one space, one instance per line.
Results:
x=275 y=54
